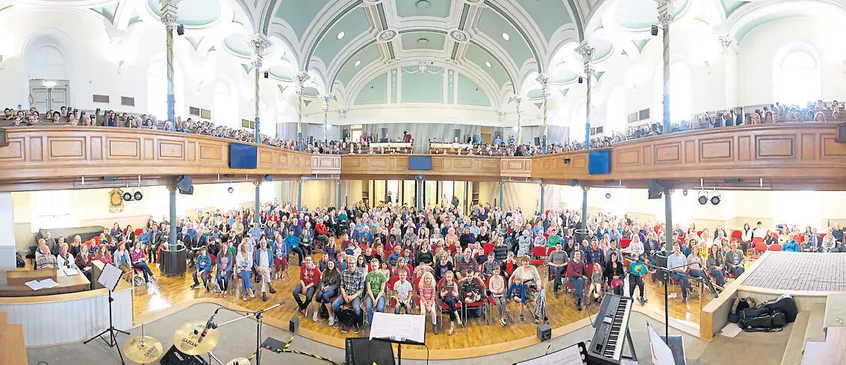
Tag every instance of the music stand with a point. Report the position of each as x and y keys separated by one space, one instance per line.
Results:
x=109 y=278
x=399 y=329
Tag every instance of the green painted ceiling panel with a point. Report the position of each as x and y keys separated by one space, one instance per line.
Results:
x=469 y=93
x=494 y=26
x=430 y=8
x=352 y=24
x=413 y=40
x=375 y=92
x=300 y=13
x=479 y=57
x=367 y=56
x=548 y=14
x=427 y=87
x=192 y=13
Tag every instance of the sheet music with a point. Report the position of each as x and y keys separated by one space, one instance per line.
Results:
x=69 y=271
x=110 y=276
x=568 y=356
x=398 y=327
x=661 y=353
x=48 y=283
x=34 y=284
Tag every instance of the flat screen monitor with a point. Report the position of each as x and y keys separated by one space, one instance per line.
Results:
x=242 y=156
x=599 y=162
x=419 y=162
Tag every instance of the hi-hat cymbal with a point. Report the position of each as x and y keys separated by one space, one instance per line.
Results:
x=186 y=338
x=143 y=350
x=239 y=361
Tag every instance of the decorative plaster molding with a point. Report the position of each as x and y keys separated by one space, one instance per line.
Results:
x=342 y=113
x=371 y=2
x=326 y=99
x=666 y=12
x=386 y=35
x=518 y=100
x=459 y=36
x=543 y=79
x=726 y=40
x=258 y=43
x=299 y=81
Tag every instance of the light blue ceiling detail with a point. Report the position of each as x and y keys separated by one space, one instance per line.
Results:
x=193 y=13
x=394 y=83
x=425 y=87
x=451 y=87
x=564 y=75
x=641 y=14
x=375 y=92
x=310 y=91
x=367 y=56
x=108 y=12
x=300 y=13
x=549 y=15
x=284 y=72
x=479 y=57
x=494 y=25
x=754 y=23
x=469 y=93
x=352 y=24
x=430 y=8
x=640 y=44
x=236 y=43
x=731 y=5
x=535 y=94
x=603 y=49
x=412 y=40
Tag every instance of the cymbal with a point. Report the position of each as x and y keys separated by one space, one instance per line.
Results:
x=239 y=361
x=186 y=340
x=143 y=350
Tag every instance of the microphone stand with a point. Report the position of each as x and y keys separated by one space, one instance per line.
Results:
x=665 y=276
x=258 y=315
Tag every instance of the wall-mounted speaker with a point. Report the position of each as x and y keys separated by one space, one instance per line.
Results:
x=180 y=29
x=185 y=185
x=656 y=190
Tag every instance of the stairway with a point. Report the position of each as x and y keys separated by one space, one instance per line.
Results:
x=793 y=350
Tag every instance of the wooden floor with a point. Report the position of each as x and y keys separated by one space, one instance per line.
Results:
x=168 y=292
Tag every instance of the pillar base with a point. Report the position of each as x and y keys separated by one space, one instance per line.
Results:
x=174 y=262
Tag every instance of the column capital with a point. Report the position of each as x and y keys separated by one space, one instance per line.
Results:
x=299 y=81
x=726 y=40
x=586 y=51
x=326 y=98
x=342 y=113
x=666 y=12
x=543 y=79
x=170 y=12
x=518 y=101
x=258 y=44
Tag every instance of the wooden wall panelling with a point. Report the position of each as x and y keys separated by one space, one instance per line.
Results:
x=516 y=167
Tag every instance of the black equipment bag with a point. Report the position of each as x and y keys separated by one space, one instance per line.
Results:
x=740 y=304
x=19 y=261
x=770 y=322
x=785 y=304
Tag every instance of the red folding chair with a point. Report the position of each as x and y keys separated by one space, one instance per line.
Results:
x=625 y=242
x=538 y=255
x=760 y=248
x=488 y=248
x=389 y=289
x=480 y=304
x=736 y=234
x=442 y=306
x=775 y=247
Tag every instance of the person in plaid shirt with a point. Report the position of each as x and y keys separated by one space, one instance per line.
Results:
x=352 y=284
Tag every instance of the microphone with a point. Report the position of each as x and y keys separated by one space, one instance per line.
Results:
x=208 y=325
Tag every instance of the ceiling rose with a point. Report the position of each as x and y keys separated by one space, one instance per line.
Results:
x=422 y=4
x=386 y=35
x=459 y=35
x=423 y=41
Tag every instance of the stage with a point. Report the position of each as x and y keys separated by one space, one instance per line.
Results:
x=238 y=339
x=800 y=272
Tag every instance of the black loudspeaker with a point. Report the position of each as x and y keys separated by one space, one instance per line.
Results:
x=180 y=29
x=176 y=357
x=362 y=351
x=654 y=30
x=581 y=79
x=656 y=190
x=537 y=141
x=544 y=332
x=294 y=324
x=266 y=75
x=185 y=185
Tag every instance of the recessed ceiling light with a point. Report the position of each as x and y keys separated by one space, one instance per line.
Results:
x=506 y=36
x=423 y=41
x=357 y=63
x=422 y=4
x=341 y=35
x=488 y=64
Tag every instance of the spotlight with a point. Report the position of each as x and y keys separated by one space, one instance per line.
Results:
x=703 y=198
x=138 y=195
x=266 y=75
x=180 y=29
x=607 y=195
x=127 y=196
x=268 y=177
x=581 y=80
x=230 y=190
x=715 y=200
x=654 y=30
x=684 y=192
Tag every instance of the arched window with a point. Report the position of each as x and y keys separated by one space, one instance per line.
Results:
x=267 y=112
x=681 y=105
x=47 y=63
x=157 y=90
x=797 y=78
x=225 y=110
x=615 y=114
x=577 y=125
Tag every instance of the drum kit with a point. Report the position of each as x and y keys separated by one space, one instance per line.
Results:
x=187 y=339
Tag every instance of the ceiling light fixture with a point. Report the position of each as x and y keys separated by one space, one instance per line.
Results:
x=341 y=35
x=423 y=4
x=357 y=63
x=488 y=64
x=423 y=41
x=506 y=36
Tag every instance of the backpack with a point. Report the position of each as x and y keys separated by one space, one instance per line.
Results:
x=19 y=261
x=784 y=304
x=740 y=304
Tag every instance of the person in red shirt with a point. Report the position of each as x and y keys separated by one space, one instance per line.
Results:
x=321 y=232
x=309 y=278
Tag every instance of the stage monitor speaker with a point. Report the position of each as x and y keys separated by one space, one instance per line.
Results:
x=185 y=185
x=537 y=141
x=362 y=351
x=544 y=332
x=294 y=324
x=660 y=261
x=656 y=190
x=176 y=357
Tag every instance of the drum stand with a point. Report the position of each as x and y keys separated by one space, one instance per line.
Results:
x=258 y=315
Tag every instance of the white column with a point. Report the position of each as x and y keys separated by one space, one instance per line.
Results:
x=299 y=85
x=326 y=99
x=258 y=43
x=7 y=233
x=543 y=79
x=587 y=51
x=730 y=61
x=169 y=18
x=518 y=100
x=666 y=14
